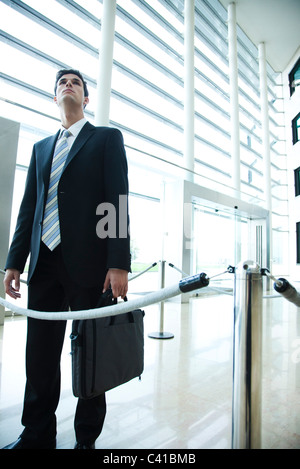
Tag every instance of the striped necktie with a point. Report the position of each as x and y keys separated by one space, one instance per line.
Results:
x=51 y=229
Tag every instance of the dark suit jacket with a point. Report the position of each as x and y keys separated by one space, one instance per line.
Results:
x=95 y=172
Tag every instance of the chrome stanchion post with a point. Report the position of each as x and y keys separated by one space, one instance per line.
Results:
x=247 y=357
x=162 y=303
x=161 y=334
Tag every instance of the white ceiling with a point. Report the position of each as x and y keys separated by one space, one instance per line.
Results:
x=274 y=22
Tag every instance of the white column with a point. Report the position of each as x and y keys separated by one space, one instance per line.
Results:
x=189 y=85
x=234 y=97
x=264 y=104
x=105 y=62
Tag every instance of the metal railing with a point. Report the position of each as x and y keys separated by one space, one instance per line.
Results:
x=247 y=357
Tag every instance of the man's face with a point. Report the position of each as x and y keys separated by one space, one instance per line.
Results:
x=70 y=90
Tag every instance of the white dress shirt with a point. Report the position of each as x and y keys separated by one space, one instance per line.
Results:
x=74 y=129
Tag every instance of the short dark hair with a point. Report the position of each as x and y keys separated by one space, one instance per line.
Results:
x=60 y=73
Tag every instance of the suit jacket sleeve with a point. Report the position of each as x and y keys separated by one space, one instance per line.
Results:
x=20 y=246
x=116 y=193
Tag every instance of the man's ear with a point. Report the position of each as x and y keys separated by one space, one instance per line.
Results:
x=85 y=101
x=55 y=99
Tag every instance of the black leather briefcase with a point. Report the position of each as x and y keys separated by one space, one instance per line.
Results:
x=106 y=352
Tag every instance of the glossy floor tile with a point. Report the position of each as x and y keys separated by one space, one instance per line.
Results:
x=184 y=398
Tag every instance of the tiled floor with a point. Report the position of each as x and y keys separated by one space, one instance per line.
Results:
x=184 y=398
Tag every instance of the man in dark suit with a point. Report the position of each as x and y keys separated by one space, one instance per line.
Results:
x=71 y=266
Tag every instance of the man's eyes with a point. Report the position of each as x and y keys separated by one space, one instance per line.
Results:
x=75 y=82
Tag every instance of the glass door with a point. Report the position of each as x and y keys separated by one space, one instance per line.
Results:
x=223 y=237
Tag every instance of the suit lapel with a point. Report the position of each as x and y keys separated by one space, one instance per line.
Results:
x=82 y=137
x=49 y=146
x=47 y=154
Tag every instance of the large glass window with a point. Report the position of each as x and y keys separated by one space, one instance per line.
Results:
x=296 y=128
x=147 y=99
x=297 y=181
x=294 y=77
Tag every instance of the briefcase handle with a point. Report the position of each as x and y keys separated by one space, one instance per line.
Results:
x=129 y=315
x=106 y=299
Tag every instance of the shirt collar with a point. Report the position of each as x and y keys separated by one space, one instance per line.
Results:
x=75 y=128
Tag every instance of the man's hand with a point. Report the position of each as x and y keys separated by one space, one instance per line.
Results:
x=12 y=275
x=118 y=280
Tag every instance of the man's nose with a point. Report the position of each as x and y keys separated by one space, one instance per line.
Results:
x=69 y=83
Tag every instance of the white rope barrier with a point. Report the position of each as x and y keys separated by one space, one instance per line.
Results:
x=185 y=285
x=113 y=310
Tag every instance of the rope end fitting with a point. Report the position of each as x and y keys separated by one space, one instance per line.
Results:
x=195 y=282
x=282 y=285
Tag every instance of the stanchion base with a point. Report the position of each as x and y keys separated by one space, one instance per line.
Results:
x=161 y=335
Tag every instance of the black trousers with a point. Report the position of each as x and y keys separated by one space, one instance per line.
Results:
x=51 y=289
